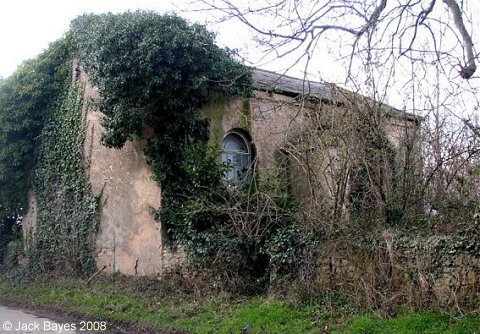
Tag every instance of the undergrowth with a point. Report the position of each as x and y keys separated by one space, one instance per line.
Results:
x=67 y=210
x=143 y=302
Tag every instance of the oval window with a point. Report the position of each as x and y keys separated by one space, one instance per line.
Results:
x=236 y=153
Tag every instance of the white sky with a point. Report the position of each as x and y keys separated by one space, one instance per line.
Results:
x=28 y=26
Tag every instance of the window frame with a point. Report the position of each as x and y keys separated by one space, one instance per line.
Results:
x=238 y=171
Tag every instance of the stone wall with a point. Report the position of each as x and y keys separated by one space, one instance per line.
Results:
x=129 y=240
x=442 y=270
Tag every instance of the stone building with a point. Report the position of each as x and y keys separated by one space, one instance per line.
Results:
x=306 y=126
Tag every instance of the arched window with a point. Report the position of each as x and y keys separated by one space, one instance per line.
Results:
x=236 y=152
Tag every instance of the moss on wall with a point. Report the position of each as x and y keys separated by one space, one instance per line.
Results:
x=214 y=112
x=245 y=117
x=67 y=210
x=224 y=114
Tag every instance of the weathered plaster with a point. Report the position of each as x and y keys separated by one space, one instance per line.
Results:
x=29 y=220
x=129 y=240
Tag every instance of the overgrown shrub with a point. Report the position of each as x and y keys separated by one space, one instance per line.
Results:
x=26 y=99
x=155 y=72
x=232 y=231
x=67 y=210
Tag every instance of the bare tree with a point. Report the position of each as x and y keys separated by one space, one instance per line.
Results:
x=422 y=52
x=406 y=28
x=355 y=172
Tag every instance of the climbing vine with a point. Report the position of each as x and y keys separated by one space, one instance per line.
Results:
x=67 y=211
x=26 y=99
x=41 y=149
x=154 y=73
x=236 y=232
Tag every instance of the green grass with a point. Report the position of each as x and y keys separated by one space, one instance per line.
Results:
x=108 y=301
x=412 y=323
x=214 y=314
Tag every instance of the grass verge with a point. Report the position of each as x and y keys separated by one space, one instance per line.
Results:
x=139 y=301
x=151 y=307
x=412 y=323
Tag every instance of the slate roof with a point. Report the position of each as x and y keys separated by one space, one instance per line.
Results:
x=271 y=81
x=283 y=84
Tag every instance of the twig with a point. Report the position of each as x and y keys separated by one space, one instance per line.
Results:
x=95 y=275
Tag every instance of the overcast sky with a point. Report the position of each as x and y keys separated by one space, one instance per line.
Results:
x=28 y=26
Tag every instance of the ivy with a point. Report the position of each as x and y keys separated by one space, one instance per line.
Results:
x=155 y=72
x=236 y=232
x=25 y=101
x=67 y=211
x=41 y=147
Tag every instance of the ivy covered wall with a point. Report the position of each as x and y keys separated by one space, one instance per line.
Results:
x=153 y=73
x=137 y=83
x=67 y=211
x=27 y=100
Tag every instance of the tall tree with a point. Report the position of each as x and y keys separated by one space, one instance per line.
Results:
x=406 y=28
x=419 y=55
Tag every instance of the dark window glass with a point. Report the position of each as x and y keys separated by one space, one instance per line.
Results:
x=236 y=153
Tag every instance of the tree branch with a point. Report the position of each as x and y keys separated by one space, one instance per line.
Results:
x=470 y=67
x=372 y=22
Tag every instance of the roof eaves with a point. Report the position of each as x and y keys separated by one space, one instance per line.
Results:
x=282 y=84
